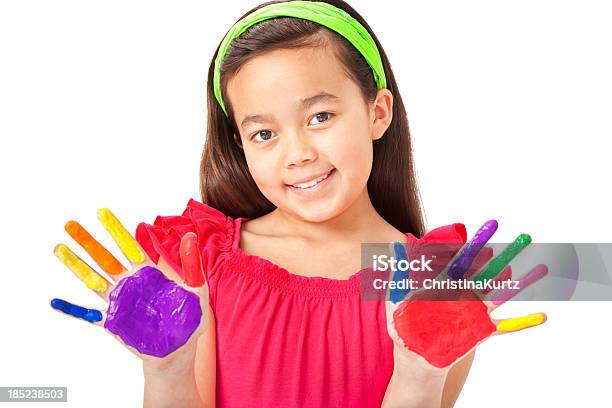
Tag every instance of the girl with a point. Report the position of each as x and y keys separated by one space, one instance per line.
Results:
x=307 y=156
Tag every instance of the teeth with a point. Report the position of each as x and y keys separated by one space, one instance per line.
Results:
x=312 y=182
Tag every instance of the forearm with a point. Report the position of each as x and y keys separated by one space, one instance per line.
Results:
x=413 y=385
x=170 y=386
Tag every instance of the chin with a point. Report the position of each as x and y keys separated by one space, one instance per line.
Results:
x=317 y=212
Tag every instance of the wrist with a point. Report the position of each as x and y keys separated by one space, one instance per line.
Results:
x=179 y=361
x=407 y=361
x=415 y=382
x=169 y=384
x=166 y=368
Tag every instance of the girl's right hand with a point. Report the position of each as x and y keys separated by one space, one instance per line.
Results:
x=154 y=317
x=435 y=328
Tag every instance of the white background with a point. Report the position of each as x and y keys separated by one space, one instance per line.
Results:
x=102 y=104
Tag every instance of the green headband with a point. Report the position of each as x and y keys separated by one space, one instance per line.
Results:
x=322 y=13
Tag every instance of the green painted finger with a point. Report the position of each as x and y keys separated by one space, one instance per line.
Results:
x=497 y=264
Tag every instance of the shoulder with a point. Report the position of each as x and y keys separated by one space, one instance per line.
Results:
x=213 y=228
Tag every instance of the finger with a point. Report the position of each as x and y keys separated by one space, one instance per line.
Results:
x=396 y=294
x=92 y=279
x=497 y=264
x=470 y=251
x=534 y=275
x=193 y=272
x=101 y=255
x=90 y=315
x=191 y=260
x=441 y=255
x=485 y=255
x=128 y=245
x=519 y=323
x=503 y=275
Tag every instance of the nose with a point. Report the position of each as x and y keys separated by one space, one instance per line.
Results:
x=298 y=150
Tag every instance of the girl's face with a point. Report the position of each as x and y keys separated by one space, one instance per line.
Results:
x=302 y=119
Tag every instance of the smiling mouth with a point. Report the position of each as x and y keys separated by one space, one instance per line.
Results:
x=312 y=183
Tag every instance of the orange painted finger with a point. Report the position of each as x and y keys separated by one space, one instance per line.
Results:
x=101 y=255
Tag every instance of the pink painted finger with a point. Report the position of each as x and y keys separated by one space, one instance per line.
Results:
x=531 y=277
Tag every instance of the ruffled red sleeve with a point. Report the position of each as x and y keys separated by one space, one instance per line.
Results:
x=164 y=236
x=447 y=234
x=439 y=245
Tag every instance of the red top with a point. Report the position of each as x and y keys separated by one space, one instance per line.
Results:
x=282 y=339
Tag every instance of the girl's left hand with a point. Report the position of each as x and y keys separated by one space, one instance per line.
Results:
x=433 y=328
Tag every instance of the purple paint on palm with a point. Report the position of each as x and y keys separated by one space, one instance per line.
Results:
x=471 y=250
x=151 y=313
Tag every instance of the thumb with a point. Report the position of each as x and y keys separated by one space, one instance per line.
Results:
x=191 y=260
x=193 y=273
x=399 y=294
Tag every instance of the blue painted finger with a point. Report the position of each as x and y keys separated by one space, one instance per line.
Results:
x=91 y=315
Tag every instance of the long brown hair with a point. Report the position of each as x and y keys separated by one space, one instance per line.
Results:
x=225 y=181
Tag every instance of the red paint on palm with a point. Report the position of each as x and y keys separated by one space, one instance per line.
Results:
x=442 y=330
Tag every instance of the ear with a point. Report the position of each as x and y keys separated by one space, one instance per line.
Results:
x=381 y=113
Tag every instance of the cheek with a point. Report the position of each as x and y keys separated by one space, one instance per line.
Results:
x=351 y=154
x=262 y=169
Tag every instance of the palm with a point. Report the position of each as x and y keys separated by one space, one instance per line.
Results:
x=149 y=313
x=443 y=325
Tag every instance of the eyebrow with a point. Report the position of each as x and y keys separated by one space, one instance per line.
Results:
x=304 y=103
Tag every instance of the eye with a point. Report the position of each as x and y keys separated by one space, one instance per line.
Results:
x=322 y=117
x=265 y=135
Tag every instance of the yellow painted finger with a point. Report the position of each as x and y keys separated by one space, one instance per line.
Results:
x=101 y=255
x=520 y=323
x=83 y=271
x=128 y=245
